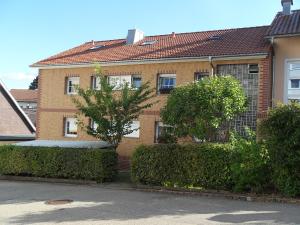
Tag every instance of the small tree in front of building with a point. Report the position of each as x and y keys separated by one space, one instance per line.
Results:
x=111 y=112
x=199 y=109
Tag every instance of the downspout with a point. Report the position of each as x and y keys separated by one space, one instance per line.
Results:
x=273 y=71
x=210 y=59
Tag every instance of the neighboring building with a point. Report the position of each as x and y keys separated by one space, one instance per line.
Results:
x=166 y=61
x=15 y=126
x=27 y=100
x=284 y=34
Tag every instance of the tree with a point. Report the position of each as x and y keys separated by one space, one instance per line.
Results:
x=112 y=111
x=34 y=84
x=199 y=109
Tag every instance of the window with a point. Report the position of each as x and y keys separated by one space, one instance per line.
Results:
x=70 y=127
x=93 y=125
x=118 y=82
x=150 y=42
x=136 y=82
x=253 y=69
x=166 y=83
x=160 y=129
x=135 y=126
x=200 y=75
x=72 y=82
x=95 y=83
x=295 y=83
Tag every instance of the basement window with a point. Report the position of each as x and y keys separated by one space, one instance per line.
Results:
x=70 y=127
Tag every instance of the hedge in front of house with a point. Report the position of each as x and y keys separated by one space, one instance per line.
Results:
x=205 y=165
x=55 y=162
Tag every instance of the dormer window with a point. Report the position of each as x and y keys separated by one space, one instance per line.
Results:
x=150 y=42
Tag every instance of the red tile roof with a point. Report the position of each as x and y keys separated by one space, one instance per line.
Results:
x=24 y=95
x=232 y=42
x=285 y=24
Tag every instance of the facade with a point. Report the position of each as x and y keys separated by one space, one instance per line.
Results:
x=15 y=126
x=284 y=35
x=166 y=61
x=27 y=100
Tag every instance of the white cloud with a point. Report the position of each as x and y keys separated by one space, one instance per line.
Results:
x=17 y=76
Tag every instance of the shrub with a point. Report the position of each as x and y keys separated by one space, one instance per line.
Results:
x=200 y=109
x=55 y=162
x=205 y=165
x=250 y=169
x=281 y=131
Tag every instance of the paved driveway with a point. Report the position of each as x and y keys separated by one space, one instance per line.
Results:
x=24 y=203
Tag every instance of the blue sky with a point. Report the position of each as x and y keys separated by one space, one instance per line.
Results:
x=32 y=30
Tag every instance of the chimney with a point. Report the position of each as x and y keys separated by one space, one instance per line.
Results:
x=286 y=7
x=134 y=36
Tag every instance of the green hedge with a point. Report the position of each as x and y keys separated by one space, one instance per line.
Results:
x=55 y=162
x=205 y=165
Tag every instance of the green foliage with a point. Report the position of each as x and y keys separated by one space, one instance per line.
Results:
x=199 y=109
x=205 y=165
x=34 y=84
x=54 y=162
x=112 y=111
x=250 y=169
x=281 y=130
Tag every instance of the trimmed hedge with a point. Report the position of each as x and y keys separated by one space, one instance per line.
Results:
x=205 y=165
x=55 y=162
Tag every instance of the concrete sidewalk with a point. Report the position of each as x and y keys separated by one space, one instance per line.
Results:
x=24 y=203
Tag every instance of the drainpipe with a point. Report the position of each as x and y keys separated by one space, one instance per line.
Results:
x=210 y=59
x=273 y=70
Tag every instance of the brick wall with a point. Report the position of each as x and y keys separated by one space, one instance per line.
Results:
x=54 y=104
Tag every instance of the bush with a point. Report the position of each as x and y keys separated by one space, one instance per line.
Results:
x=205 y=165
x=281 y=131
x=55 y=162
x=250 y=169
x=200 y=109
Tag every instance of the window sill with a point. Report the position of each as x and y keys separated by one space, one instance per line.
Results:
x=71 y=136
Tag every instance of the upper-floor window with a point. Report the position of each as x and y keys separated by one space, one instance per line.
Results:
x=293 y=81
x=253 y=69
x=72 y=83
x=70 y=127
x=136 y=81
x=166 y=83
x=200 y=75
x=118 y=82
x=95 y=82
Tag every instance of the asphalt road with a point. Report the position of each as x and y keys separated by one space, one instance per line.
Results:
x=24 y=203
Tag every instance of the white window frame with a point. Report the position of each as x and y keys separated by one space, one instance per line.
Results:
x=136 y=133
x=135 y=76
x=72 y=86
x=166 y=76
x=119 y=81
x=287 y=79
x=69 y=120
x=96 y=85
x=157 y=125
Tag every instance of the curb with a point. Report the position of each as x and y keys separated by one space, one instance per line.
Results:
x=158 y=189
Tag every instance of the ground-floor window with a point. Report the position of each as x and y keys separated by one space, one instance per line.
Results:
x=135 y=127
x=70 y=127
x=293 y=81
x=160 y=131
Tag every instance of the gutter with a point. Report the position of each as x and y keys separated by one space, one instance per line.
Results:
x=17 y=137
x=154 y=61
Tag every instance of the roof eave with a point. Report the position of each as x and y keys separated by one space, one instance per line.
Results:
x=152 y=61
x=282 y=35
